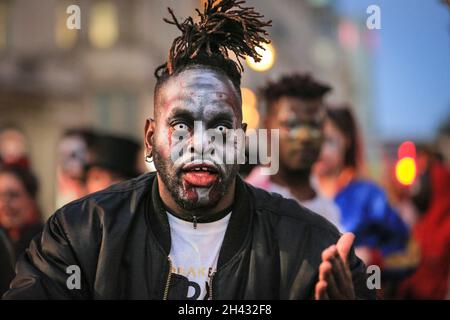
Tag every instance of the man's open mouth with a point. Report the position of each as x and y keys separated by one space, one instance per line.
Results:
x=200 y=175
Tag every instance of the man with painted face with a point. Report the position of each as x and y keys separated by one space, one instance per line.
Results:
x=193 y=230
x=296 y=108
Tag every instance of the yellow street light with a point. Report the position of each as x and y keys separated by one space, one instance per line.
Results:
x=267 y=58
x=405 y=171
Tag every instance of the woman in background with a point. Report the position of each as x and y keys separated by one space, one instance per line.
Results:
x=381 y=236
x=19 y=213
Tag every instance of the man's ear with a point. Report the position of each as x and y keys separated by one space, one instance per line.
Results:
x=244 y=127
x=148 y=135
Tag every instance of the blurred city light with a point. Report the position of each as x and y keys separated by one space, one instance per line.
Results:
x=267 y=58
x=407 y=149
x=65 y=38
x=103 y=27
x=405 y=171
x=348 y=35
x=406 y=168
x=250 y=112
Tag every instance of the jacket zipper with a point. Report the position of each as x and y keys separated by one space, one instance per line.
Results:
x=210 y=285
x=166 y=289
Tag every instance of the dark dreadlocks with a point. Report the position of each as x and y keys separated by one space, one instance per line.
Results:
x=297 y=85
x=225 y=26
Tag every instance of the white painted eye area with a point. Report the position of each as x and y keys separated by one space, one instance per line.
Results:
x=180 y=126
x=221 y=128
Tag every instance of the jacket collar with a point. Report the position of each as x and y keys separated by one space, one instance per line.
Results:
x=238 y=227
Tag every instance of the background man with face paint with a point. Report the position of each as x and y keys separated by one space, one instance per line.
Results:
x=294 y=105
x=113 y=159
x=132 y=240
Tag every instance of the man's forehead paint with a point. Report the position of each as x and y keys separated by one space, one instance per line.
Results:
x=193 y=84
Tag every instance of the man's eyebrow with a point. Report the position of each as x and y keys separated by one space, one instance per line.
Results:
x=222 y=115
x=181 y=113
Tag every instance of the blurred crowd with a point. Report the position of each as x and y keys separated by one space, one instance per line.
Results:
x=406 y=232
x=88 y=161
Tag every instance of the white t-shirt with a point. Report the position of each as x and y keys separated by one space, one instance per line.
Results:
x=326 y=208
x=319 y=204
x=194 y=252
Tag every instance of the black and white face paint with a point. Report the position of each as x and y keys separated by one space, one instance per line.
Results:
x=196 y=109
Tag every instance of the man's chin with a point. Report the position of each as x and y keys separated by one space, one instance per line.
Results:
x=197 y=206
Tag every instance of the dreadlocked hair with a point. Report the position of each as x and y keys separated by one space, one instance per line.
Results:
x=297 y=85
x=224 y=26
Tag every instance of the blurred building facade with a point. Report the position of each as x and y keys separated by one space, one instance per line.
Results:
x=53 y=78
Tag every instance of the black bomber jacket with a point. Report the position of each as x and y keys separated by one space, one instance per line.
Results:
x=120 y=240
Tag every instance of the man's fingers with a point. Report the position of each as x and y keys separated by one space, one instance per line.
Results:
x=342 y=265
x=335 y=279
x=335 y=273
x=344 y=245
x=342 y=276
x=324 y=268
x=327 y=254
x=331 y=254
x=339 y=270
x=321 y=286
x=321 y=291
x=332 y=286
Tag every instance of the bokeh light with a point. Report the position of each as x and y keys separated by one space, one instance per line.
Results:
x=64 y=38
x=406 y=149
x=348 y=34
x=405 y=171
x=103 y=27
x=267 y=58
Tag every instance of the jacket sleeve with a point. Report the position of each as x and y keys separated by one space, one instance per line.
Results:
x=41 y=272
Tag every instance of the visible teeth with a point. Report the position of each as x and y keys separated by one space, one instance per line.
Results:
x=206 y=169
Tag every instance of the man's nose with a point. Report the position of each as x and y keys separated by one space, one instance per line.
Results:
x=199 y=139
